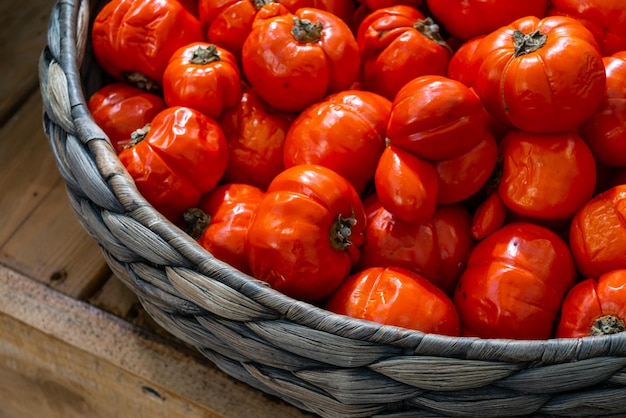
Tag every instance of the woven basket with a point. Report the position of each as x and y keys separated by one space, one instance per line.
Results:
x=323 y=363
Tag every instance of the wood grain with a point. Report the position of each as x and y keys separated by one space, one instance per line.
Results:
x=54 y=249
x=27 y=167
x=63 y=358
x=51 y=246
x=23 y=28
x=114 y=297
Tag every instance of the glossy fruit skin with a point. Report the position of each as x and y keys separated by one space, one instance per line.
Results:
x=256 y=134
x=343 y=9
x=604 y=18
x=291 y=73
x=204 y=77
x=514 y=283
x=183 y=156
x=345 y=132
x=398 y=44
x=466 y=19
x=605 y=130
x=463 y=60
x=379 y=4
x=489 y=216
x=162 y=25
x=304 y=236
x=597 y=233
x=120 y=109
x=436 y=118
x=463 y=67
x=396 y=296
x=406 y=185
x=227 y=23
x=436 y=249
x=591 y=300
x=552 y=88
x=230 y=207
x=462 y=176
x=546 y=176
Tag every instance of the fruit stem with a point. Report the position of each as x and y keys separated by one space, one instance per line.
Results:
x=139 y=80
x=137 y=136
x=205 y=55
x=527 y=43
x=306 y=31
x=606 y=325
x=340 y=232
x=196 y=222
x=260 y=3
x=430 y=29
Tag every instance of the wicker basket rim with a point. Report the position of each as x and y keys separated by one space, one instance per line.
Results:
x=293 y=310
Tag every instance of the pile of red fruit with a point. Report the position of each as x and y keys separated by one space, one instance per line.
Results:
x=456 y=167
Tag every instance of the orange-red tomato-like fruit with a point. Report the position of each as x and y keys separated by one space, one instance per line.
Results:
x=436 y=249
x=545 y=176
x=514 y=283
x=379 y=4
x=120 y=109
x=605 y=130
x=134 y=39
x=604 y=18
x=406 y=185
x=295 y=60
x=597 y=233
x=595 y=307
x=540 y=75
x=204 y=77
x=256 y=134
x=396 y=296
x=224 y=216
x=227 y=23
x=345 y=10
x=305 y=235
x=398 y=44
x=462 y=176
x=436 y=118
x=182 y=156
x=489 y=216
x=466 y=19
x=462 y=61
x=345 y=132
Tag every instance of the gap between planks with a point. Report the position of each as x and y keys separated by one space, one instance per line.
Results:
x=39 y=233
x=91 y=356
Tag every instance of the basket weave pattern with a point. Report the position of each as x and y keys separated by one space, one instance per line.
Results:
x=320 y=362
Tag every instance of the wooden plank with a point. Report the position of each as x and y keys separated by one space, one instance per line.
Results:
x=27 y=167
x=114 y=297
x=62 y=358
x=39 y=233
x=23 y=28
x=53 y=248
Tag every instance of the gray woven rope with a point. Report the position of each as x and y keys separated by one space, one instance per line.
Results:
x=323 y=363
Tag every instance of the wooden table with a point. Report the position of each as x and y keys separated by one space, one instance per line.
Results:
x=74 y=341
